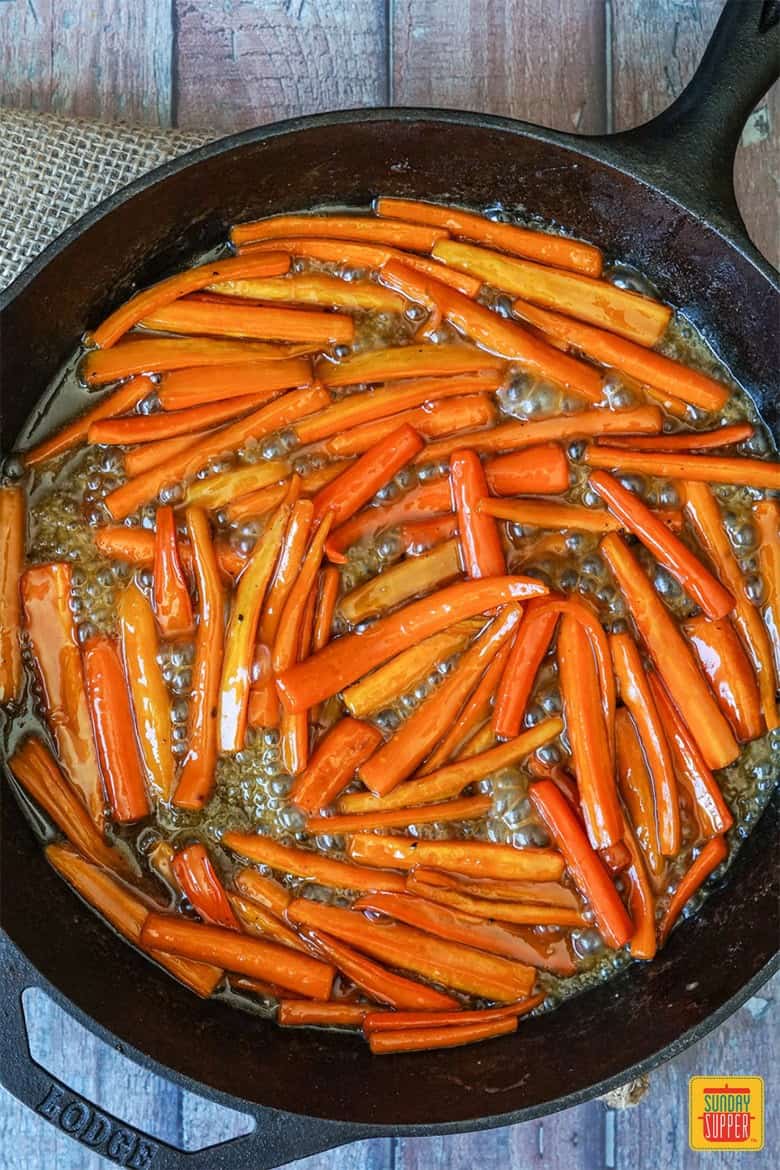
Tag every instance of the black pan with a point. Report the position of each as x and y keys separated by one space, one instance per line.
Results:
x=659 y=198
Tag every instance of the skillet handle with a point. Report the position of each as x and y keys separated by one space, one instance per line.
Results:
x=688 y=150
x=276 y=1139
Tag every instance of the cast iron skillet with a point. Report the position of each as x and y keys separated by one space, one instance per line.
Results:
x=661 y=198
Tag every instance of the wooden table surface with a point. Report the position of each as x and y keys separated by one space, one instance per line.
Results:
x=582 y=65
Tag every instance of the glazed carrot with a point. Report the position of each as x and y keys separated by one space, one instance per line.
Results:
x=333 y=764
x=705 y=517
x=347 y=493
x=628 y=314
x=691 y=766
x=449 y=964
x=478 y=858
x=408 y=361
x=584 y=864
x=306 y=1013
x=545 y=514
x=473 y=713
x=39 y=774
x=493 y=937
x=671 y=654
x=466 y=809
x=727 y=667
x=196 y=876
x=262 y=923
x=523 y=914
x=148 y=692
x=196 y=779
x=291 y=553
x=512 y=436
x=258 y=503
x=172 y=605
x=708 y=469
x=379 y=1021
x=294 y=729
x=495 y=890
x=724 y=436
x=307 y=864
x=345 y=659
x=127 y=913
x=242 y=625
x=380 y=688
x=49 y=620
x=466 y=412
x=636 y=789
x=641 y=900
x=710 y=857
x=401 y=582
x=381 y=985
x=275 y=415
x=112 y=725
x=501 y=337
x=75 y=433
x=327 y=595
x=451 y=779
x=541 y=470
x=209 y=386
x=12 y=532
x=538 y=245
x=227 y=319
x=514 y=689
x=646 y=366
x=240 y=953
x=286 y=642
x=420 y=733
x=425 y=1039
x=149 y=428
x=217 y=490
x=264 y=891
x=480 y=543
x=346 y=227
x=767 y=517
x=314 y=288
x=160 y=354
x=635 y=691
x=148 y=455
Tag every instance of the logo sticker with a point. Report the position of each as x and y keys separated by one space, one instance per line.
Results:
x=726 y=1113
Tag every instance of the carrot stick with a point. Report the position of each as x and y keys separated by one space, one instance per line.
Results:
x=727 y=667
x=513 y=436
x=672 y=656
x=351 y=255
x=203 y=386
x=544 y=893
x=347 y=227
x=217 y=490
x=112 y=725
x=545 y=514
x=258 y=503
x=294 y=729
x=196 y=779
x=149 y=428
x=401 y=582
x=478 y=858
x=148 y=693
x=333 y=764
x=538 y=245
x=12 y=535
x=466 y=809
x=380 y=688
x=262 y=890
x=636 y=788
x=541 y=470
x=724 y=436
x=480 y=543
x=327 y=597
x=408 y=361
x=381 y=985
x=313 y=866
x=473 y=713
x=197 y=877
x=691 y=766
x=636 y=693
x=75 y=433
x=584 y=864
x=305 y=1013
x=530 y=914
x=127 y=913
x=347 y=493
x=709 y=469
x=158 y=355
x=705 y=517
x=226 y=319
x=641 y=900
x=313 y=288
x=379 y=1021
x=131 y=495
x=646 y=366
x=466 y=412
x=494 y=333
x=49 y=620
x=240 y=953
x=260 y=922
x=710 y=857
x=148 y=455
x=425 y=1039
x=530 y=647
x=345 y=659
x=39 y=774
x=172 y=604
x=767 y=517
x=450 y=924
x=447 y=963
x=420 y=733
x=629 y=314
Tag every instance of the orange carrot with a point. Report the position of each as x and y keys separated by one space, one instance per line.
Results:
x=447 y=963
x=672 y=656
x=148 y=692
x=172 y=604
x=217 y=490
x=584 y=864
x=710 y=857
x=538 y=245
x=313 y=866
x=12 y=534
x=641 y=901
x=327 y=596
x=49 y=620
x=381 y=985
x=465 y=412
x=306 y=1013
x=495 y=890
x=708 y=469
x=727 y=667
x=344 y=227
x=240 y=953
x=425 y=1039
x=347 y=493
x=480 y=543
x=262 y=923
x=227 y=319
x=265 y=891
x=478 y=858
x=767 y=516
x=346 y=659
x=148 y=455
x=473 y=713
x=204 y=386
x=636 y=789
x=407 y=361
x=196 y=779
x=401 y=582
x=636 y=693
x=541 y=470
x=724 y=436
x=333 y=764
x=313 y=288
x=379 y=1021
x=75 y=433
x=148 y=428
x=465 y=809
x=546 y=514
x=629 y=314
x=530 y=646
x=195 y=874
x=523 y=914
x=705 y=517
x=144 y=354
x=294 y=729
